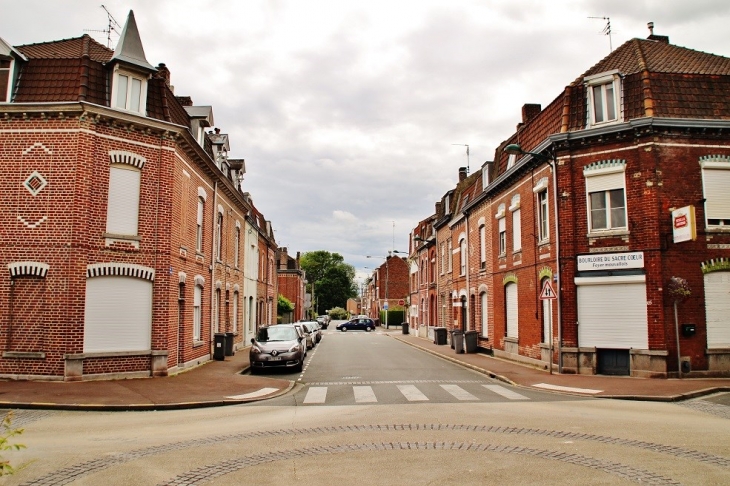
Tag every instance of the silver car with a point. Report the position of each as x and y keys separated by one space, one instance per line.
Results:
x=279 y=346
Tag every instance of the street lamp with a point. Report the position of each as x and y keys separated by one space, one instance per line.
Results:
x=550 y=158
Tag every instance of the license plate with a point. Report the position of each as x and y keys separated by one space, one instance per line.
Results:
x=275 y=358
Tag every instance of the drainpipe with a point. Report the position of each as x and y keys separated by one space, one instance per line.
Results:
x=212 y=265
x=554 y=161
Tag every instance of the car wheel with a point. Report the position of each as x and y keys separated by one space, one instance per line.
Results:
x=343 y=329
x=298 y=368
x=368 y=329
x=254 y=371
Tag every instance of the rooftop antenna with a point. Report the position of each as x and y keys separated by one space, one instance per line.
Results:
x=467 y=154
x=112 y=25
x=606 y=30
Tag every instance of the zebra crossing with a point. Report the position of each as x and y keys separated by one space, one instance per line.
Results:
x=393 y=392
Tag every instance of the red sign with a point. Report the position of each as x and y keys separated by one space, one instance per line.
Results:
x=401 y=302
x=680 y=221
x=548 y=293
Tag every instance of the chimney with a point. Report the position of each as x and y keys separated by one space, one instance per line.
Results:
x=164 y=73
x=462 y=173
x=530 y=111
x=438 y=209
x=185 y=100
x=658 y=38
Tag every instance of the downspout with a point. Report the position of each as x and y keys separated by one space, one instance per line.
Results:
x=214 y=219
x=468 y=290
x=558 y=280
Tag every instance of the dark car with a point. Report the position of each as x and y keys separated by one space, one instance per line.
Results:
x=324 y=321
x=358 y=323
x=279 y=346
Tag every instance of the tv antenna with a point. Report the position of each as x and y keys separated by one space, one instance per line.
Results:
x=112 y=25
x=606 y=30
x=467 y=154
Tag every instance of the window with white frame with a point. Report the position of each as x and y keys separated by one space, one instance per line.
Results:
x=462 y=255
x=485 y=176
x=715 y=184
x=443 y=258
x=129 y=91
x=236 y=246
x=543 y=227
x=511 y=160
x=516 y=224
x=197 y=313
x=606 y=195
x=219 y=237
x=502 y=236
x=199 y=225
x=604 y=98
x=216 y=310
x=6 y=71
x=123 y=200
x=483 y=245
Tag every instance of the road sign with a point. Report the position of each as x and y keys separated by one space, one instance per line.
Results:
x=385 y=306
x=401 y=302
x=548 y=293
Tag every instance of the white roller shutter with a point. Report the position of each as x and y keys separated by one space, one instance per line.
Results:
x=510 y=294
x=717 y=309
x=118 y=314
x=123 y=205
x=605 y=182
x=612 y=312
x=716 y=183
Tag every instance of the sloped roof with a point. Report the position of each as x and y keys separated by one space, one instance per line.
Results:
x=68 y=49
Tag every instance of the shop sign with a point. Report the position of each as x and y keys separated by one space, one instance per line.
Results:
x=611 y=261
x=684 y=227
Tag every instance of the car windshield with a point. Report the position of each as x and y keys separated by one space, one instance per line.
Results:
x=276 y=333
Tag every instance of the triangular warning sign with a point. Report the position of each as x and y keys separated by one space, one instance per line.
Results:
x=548 y=293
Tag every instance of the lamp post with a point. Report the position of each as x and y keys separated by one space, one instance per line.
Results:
x=515 y=149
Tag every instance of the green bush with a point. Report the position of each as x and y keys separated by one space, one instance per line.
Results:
x=338 y=313
x=6 y=433
x=395 y=317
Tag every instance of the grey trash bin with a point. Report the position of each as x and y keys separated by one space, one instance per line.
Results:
x=457 y=339
x=470 y=341
x=229 y=344
x=404 y=326
x=219 y=346
x=439 y=336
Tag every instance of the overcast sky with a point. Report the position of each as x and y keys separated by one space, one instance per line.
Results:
x=347 y=111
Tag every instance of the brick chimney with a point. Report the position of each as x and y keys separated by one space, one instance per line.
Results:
x=658 y=38
x=164 y=73
x=530 y=111
x=462 y=173
x=438 y=209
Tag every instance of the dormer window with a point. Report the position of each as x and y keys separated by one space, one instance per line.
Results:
x=6 y=67
x=511 y=160
x=604 y=98
x=129 y=91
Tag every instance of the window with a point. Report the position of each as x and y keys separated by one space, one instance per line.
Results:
x=511 y=160
x=450 y=254
x=502 y=236
x=443 y=258
x=608 y=210
x=6 y=68
x=462 y=252
x=484 y=313
x=197 y=313
x=483 y=246
x=516 y=224
x=199 y=228
x=219 y=237
x=606 y=195
x=123 y=201
x=236 y=246
x=129 y=91
x=543 y=229
x=603 y=93
x=715 y=183
x=485 y=175
x=511 y=310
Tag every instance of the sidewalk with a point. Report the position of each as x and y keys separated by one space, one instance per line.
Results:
x=619 y=387
x=213 y=384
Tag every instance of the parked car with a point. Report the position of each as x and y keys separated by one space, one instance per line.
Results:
x=277 y=346
x=324 y=321
x=314 y=328
x=309 y=339
x=366 y=324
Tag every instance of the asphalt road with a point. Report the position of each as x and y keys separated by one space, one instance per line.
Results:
x=358 y=367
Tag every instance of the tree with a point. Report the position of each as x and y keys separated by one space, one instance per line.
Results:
x=283 y=305
x=332 y=278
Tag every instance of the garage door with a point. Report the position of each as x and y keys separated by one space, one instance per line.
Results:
x=717 y=309
x=118 y=314
x=612 y=312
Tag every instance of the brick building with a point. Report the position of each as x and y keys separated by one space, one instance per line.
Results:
x=122 y=218
x=291 y=280
x=598 y=200
x=388 y=283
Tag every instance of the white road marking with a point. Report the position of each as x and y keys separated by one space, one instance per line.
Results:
x=316 y=394
x=566 y=388
x=458 y=392
x=364 y=394
x=506 y=393
x=257 y=393
x=412 y=393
